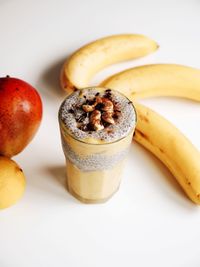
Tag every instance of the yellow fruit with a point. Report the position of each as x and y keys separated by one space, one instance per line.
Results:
x=153 y=132
x=169 y=145
x=12 y=182
x=157 y=80
x=91 y=58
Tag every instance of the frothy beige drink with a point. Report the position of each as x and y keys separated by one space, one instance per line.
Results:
x=97 y=126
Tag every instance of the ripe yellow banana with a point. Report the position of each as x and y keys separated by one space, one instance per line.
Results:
x=169 y=145
x=157 y=80
x=88 y=60
x=152 y=131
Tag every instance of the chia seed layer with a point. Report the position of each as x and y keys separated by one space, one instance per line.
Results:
x=71 y=115
x=93 y=162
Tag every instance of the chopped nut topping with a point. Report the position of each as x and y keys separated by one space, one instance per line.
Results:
x=100 y=112
x=88 y=108
x=98 y=127
x=96 y=115
x=107 y=117
x=95 y=120
x=98 y=100
x=108 y=105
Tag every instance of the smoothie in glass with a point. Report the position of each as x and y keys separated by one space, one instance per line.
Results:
x=96 y=126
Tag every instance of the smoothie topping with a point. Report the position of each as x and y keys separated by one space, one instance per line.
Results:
x=98 y=113
x=95 y=120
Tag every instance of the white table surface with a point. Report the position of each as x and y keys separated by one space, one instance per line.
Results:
x=149 y=222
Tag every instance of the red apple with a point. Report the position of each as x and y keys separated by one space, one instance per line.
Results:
x=20 y=115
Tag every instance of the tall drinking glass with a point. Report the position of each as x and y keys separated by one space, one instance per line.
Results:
x=96 y=126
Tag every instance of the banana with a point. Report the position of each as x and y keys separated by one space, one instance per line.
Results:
x=157 y=80
x=169 y=145
x=153 y=132
x=88 y=60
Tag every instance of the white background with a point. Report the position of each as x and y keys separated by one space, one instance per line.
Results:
x=149 y=222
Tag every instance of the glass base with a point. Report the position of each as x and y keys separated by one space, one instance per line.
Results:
x=90 y=201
